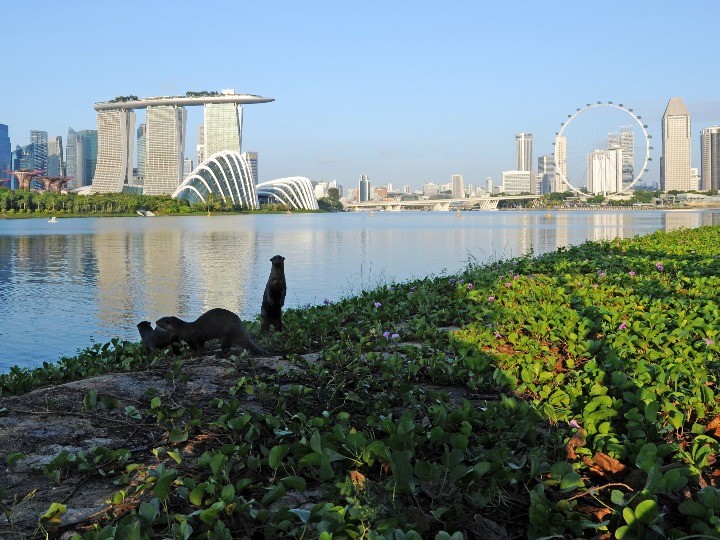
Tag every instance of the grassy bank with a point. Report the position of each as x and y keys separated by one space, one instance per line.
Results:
x=572 y=394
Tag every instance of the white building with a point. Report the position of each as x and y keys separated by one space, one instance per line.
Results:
x=546 y=170
x=116 y=130
x=675 y=161
x=458 y=188
x=604 y=171
x=165 y=129
x=200 y=147
x=694 y=178
x=710 y=158
x=561 y=166
x=430 y=189
x=523 y=151
x=187 y=167
x=517 y=182
x=141 y=150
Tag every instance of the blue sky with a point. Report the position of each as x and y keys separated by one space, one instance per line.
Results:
x=405 y=92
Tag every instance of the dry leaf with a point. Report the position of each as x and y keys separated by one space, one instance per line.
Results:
x=713 y=428
x=576 y=440
x=608 y=464
x=358 y=479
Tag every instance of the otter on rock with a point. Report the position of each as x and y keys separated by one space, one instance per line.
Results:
x=274 y=296
x=157 y=338
x=218 y=323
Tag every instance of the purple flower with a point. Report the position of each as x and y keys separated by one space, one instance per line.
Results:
x=508 y=284
x=659 y=267
x=574 y=424
x=395 y=336
x=386 y=334
x=631 y=273
x=391 y=289
x=497 y=334
x=326 y=301
x=516 y=276
x=412 y=289
x=460 y=280
x=622 y=326
x=601 y=273
x=452 y=281
x=709 y=342
x=307 y=306
x=469 y=286
x=377 y=304
x=491 y=298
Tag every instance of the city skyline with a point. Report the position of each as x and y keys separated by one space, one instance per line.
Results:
x=346 y=108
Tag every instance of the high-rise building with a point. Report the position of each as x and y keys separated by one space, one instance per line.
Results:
x=406 y=188
x=458 y=187
x=39 y=140
x=489 y=185
x=364 y=188
x=546 y=170
x=625 y=139
x=223 y=126
x=141 y=150
x=187 y=167
x=517 y=182
x=710 y=158
x=165 y=149
x=5 y=153
x=523 y=151
x=87 y=157
x=55 y=157
x=116 y=128
x=561 y=162
x=200 y=148
x=71 y=162
x=675 y=161
x=252 y=160
x=604 y=171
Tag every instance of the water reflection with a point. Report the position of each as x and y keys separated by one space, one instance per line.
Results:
x=66 y=284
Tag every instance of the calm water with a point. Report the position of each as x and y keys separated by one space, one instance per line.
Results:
x=64 y=285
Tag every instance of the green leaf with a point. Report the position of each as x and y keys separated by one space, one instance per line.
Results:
x=149 y=511
x=178 y=435
x=647 y=511
x=294 y=482
x=276 y=455
x=175 y=455
x=274 y=494
x=12 y=457
x=304 y=515
x=54 y=513
x=162 y=486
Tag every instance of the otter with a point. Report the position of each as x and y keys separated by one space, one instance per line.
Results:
x=274 y=296
x=218 y=323
x=157 y=338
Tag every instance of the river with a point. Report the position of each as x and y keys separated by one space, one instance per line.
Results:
x=66 y=285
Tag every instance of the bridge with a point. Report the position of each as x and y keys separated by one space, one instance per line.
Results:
x=444 y=205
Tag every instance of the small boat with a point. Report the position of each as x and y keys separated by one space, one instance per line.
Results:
x=52 y=220
x=145 y=213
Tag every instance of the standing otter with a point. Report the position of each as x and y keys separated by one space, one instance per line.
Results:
x=157 y=338
x=218 y=323
x=274 y=296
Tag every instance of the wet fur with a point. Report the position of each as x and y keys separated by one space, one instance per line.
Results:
x=218 y=323
x=274 y=296
x=156 y=338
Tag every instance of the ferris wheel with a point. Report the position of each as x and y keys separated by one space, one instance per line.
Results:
x=601 y=148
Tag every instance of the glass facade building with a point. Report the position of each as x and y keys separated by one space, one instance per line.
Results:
x=165 y=154
x=71 y=157
x=222 y=127
x=55 y=165
x=5 y=153
x=87 y=157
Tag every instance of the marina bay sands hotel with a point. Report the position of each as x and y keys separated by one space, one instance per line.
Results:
x=164 y=136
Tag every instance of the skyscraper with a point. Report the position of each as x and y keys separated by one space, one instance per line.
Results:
x=252 y=160
x=625 y=139
x=39 y=140
x=561 y=169
x=675 y=161
x=115 y=149
x=87 y=157
x=165 y=149
x=71 y=157
x=5 y=153
x=141 y=150
x=604 y=171
x=458 y=187
x=200 y=145
x=55 y=157
x=187 y=167
x=523 y=151
x=364 y=188
x=546 y=168
x=710 y=158
x=223 y=126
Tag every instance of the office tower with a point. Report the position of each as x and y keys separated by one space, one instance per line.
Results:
x=458 y=187
x=694 y=178
x=55 y=157
x=115 y=149
x=604 y=171
x=430 y=189
x=5 y=153
x=406 y=188
x=710 y=158
x=71 y=157
x=675 y=161
x=489 y=185
x=187 y=167
x=523 y=151
x=165 y=149
x=561 y=161
x=200 y=148
x=364 y=188
x=24 y=157
x=252 y=160
x=546 y=170
x=141 y=150
x=223 y=126
x=625 y=139
x=87 y=157
x=39 y=140
x=517 y=182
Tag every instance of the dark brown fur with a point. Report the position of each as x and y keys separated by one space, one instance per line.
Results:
x=157 y=338
x=218 y=323
x=274 y=296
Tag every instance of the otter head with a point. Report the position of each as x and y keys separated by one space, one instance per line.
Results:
x=144 y=325
x=277 y=260
x=166 y=323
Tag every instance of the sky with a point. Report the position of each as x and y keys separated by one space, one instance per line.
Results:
x=406 y=92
